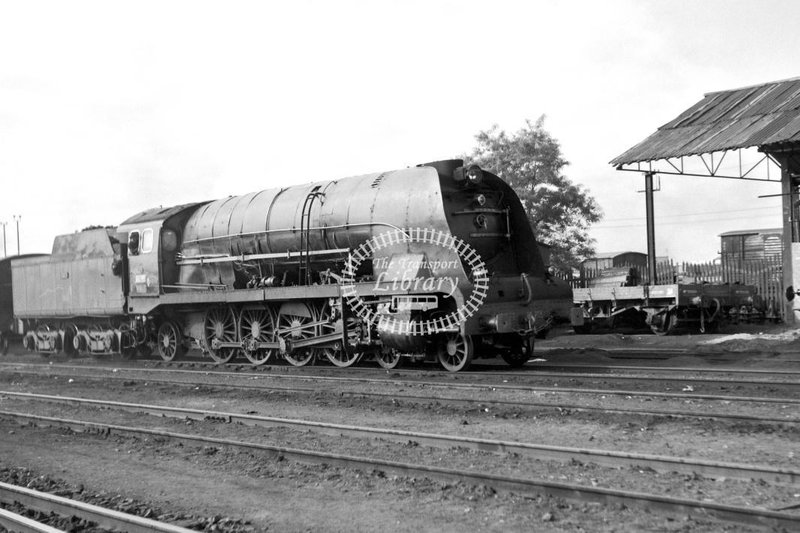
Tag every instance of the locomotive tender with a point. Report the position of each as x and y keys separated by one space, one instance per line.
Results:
x=436 y=261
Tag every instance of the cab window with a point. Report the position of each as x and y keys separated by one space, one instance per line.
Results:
x=133 y=243
x=147 y=241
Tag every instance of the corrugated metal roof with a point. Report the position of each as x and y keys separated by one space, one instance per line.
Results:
x=763 y=115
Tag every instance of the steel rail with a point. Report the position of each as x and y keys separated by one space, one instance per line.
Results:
x=437 y=384
x=528 y=372
x=21 y=524
x=419 y=398
x=687 y=379
x=106 y=518
x=660 y=463
x=743 y=515
x=534 y=366
x=440 y=384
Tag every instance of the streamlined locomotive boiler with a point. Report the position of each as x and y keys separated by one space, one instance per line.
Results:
x=436 y=261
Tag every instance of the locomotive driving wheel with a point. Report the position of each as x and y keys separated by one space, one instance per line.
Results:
x=296 y=322
x=170 y=341
x=338 y=355
x=256 y=325
x=220 y=326
x=455 y=351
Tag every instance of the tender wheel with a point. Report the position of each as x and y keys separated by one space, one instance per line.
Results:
x=455 y=352
x=296 y=322
x=256 y=325
x=170 y=341
x=667 y=325
x=221 y=326
x=79 y=343
x=69 y=340
x=44 y=335
x=388 y=358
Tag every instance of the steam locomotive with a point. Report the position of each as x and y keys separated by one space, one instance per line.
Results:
x=434 y=262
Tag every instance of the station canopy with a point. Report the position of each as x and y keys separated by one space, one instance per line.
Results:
x=763 y=117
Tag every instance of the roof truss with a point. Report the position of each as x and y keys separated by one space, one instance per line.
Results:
x=741 y=163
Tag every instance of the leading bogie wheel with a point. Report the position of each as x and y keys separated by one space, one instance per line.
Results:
x=455 y=352
x=341 y=357
x=388 y=358
x=170 y=341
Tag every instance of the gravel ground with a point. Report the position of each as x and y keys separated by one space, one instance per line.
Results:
x=219 y=489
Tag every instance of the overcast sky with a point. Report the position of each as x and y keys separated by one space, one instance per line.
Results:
x=108 y=108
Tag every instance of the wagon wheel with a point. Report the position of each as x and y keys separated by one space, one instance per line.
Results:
x=257 y=324
x=515 y=359
x=455 y=351
x=170 y=341
x=220 y=326
x=296 y=322
x=388 y=358
x=668 y=323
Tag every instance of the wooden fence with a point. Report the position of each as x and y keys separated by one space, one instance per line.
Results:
x=765 y=274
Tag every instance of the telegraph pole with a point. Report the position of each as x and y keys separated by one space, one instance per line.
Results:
x=17 y=218
x=5 y=250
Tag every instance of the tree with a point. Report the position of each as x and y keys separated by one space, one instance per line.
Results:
x=531 y=162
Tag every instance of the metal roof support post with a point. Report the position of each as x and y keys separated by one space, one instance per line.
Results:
x=790 y=180
x=651 y=228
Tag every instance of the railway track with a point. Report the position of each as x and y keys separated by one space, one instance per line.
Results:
x=382 y=381
x=656 y=369
x=673 y=413
x=713 y=469
x=789 y=380
x=572 y=491
x=51 y=503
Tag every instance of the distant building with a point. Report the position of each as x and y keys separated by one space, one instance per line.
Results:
x=606 y=260
x=746 y=245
